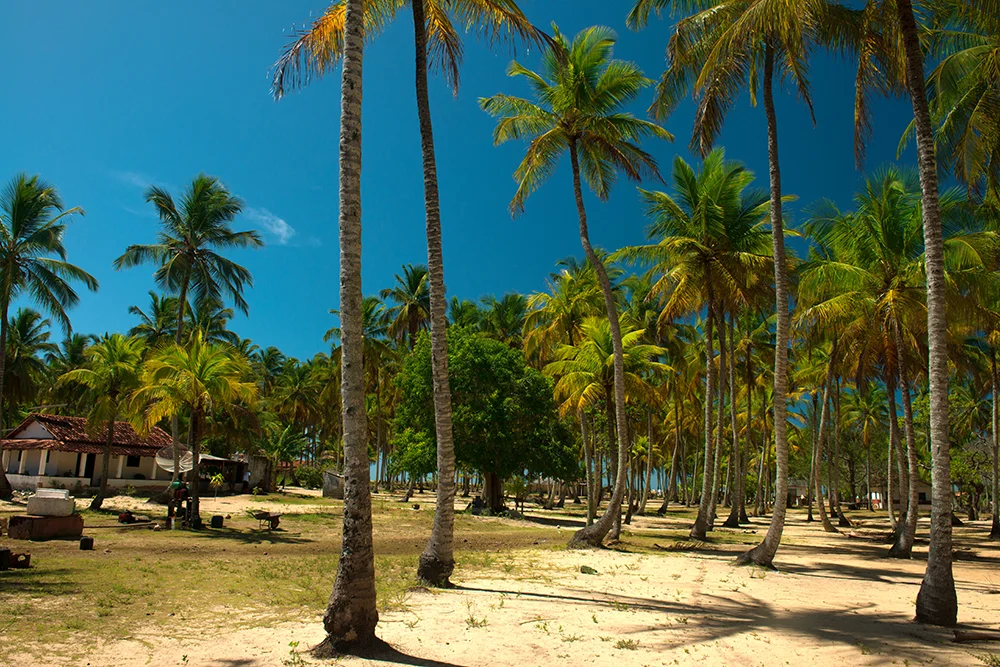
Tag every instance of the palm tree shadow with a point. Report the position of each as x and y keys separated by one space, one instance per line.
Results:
x=385 y=652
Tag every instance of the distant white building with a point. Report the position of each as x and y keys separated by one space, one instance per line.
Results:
x=58 y=452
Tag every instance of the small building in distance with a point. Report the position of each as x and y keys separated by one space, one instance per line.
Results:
x=51 y=451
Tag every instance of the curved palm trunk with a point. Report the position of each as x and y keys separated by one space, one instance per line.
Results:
x=844 y=521
x=821 y=441
x=594 y=534
x=102 y=491
x=6 y=492
x=194 y=443
x=178 y=338
x=649 y=463
x=589 y=462
x=671 y=491
x=904 y=538
x=995 y=527
x=437 y=562
x=720 y=426
x=812 y=460
x=735 y=464
x=351 y=616
x=895 y=452
x=701 y=522
x=763 y=553
x=937 y=602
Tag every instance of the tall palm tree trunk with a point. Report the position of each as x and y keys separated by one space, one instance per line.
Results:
x=812 y=459
x=671 y=491
x=720 y=426
x=102 y=491
x=6 y=492
x=594 y=534
x=175 y=428
x=821 y=441
x=995 y=527
x=437 y=562
x=589 y=462
x=649 y=463
x=937 y=602
x=194 y=444
x=844 y=521
x=895 y=452
x=763 y=553
x=903 y=545
x=745 y=458
x=700 y=526
x=351 y=616
x=736 y=497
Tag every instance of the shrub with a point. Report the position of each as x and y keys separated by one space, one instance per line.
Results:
x=310 y=477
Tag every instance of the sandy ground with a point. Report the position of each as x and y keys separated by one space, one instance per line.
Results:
x=835 y=600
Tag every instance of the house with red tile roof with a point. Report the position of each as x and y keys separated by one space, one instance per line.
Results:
x=52 y=451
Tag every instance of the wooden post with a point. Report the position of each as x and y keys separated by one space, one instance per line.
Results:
x=43 y=462
x=82 y=468
x=121 y=465
x=22 y=459
x=153 y=476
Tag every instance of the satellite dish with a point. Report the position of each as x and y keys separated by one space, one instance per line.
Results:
x=165 y=459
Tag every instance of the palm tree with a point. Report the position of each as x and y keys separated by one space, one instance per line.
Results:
x=710 y=250
x=27 y=345
x=962 y=88
x=581 y=96
x=198 y=378
x=187 y=251
x=894 y=59
x=434 y=34
x=351 y=616
x=69 y=356
x=503 y=318
x=411 y=296
x=868 y=283
x=211 y=318
x=158 y=324
x=111 y=375
x=585 y=371
x=464 y=313
x=33 y=261
x=282 y=446
x=555 y=317
x=724 y=47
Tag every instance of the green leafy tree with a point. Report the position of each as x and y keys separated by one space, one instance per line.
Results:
x=505 y=420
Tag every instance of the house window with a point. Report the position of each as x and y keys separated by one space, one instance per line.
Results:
x=132 y=462
x=923 y=497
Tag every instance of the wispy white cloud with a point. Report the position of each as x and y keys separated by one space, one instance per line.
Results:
x=135 y=179
x=271 y=224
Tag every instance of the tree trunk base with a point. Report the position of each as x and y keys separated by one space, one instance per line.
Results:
x=898 y=552
x=331 y=649
x=434 y=571
x=995 y=528
x=96 y=503
x=586 y=538
x=756 y=557
x=938 y=606
x=844 y=522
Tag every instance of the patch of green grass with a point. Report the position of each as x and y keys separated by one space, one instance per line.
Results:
x=627 y=644
x=989 y=659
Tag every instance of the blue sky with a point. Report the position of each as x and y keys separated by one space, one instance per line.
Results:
x=104 y=98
